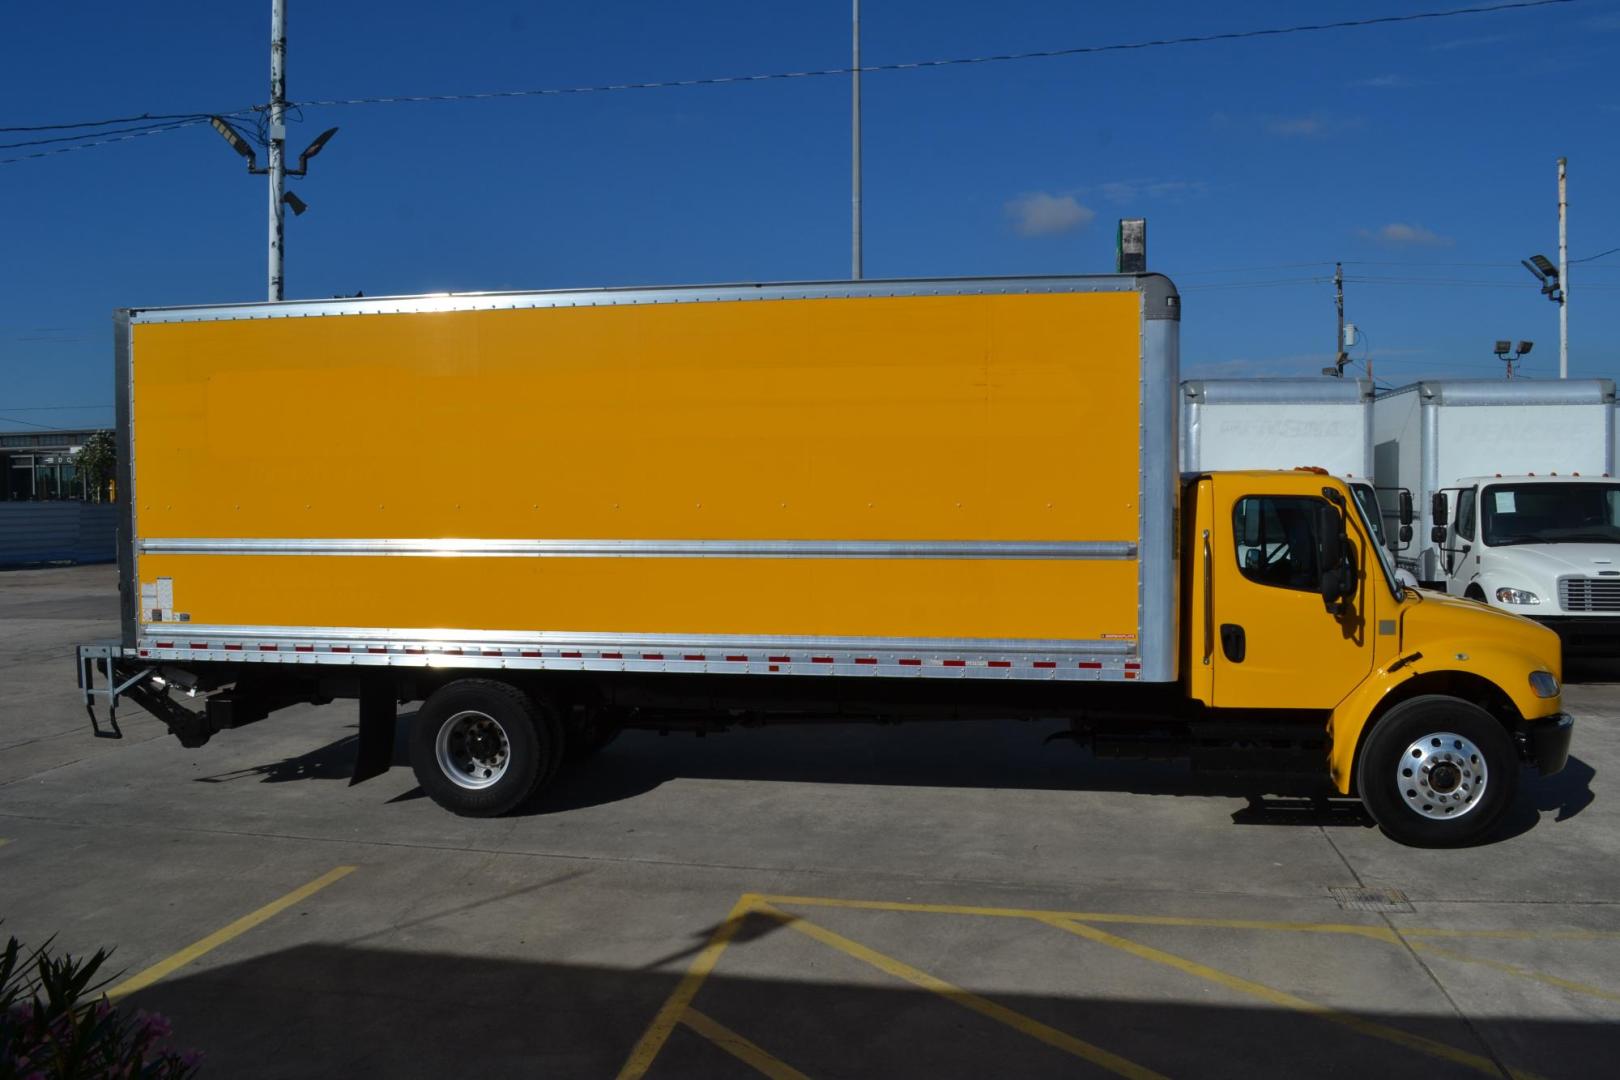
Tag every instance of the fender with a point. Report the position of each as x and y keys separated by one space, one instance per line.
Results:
x=1445 y=666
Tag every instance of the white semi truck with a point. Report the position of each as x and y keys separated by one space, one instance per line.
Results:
x=1517 y=506
x=1290 y=423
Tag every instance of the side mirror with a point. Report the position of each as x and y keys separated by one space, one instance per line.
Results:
x=1406 y=535
x=1406 y=507
x=1439 y=512
x=1338 y=581
x=1438 y=534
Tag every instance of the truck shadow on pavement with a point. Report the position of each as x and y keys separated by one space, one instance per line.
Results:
x=320 y=1010
x=1000 y=755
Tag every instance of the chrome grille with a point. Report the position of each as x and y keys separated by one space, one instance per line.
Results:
x=1589 y=594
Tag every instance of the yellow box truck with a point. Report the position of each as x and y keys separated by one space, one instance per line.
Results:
x=550 y=516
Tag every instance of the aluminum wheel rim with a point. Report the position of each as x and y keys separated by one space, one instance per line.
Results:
x=472 y=749
x=1442 y=776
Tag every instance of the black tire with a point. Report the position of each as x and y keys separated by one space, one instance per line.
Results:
x=1424 y=788
x=498 y=747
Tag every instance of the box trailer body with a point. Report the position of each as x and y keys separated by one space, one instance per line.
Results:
x=553 y=515
x=1458 y=445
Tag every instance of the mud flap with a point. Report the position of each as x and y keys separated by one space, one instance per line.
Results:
x=378 y=713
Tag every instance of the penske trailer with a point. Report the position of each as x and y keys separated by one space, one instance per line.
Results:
x=551 y=516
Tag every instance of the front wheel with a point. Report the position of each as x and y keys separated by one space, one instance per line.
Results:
x=1437 y=771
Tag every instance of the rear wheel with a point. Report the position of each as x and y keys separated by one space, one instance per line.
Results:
x=1437 y=772
x=481 y=748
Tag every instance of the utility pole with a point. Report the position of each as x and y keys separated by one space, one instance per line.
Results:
x=855 y=146
x=1340 y=357
x=278 y=139
x=1563 y=270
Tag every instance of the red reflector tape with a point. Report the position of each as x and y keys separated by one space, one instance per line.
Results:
x=866 y=659
x=737 y=659
x=821 y=659
x=453 y=652
x=910 y=663
x=1132 y=665
x=1090 y=664
x=1046 y=663
x=303 y=648
x=565 y=656
x=144 y=652
x=954 y=663
x=267 y=648
x=652 y=656
x=408 y=648
x=613 y=656
x=693 y=656
x=164 y=644
x=229 y=648
x=199 y=644
x=376 y=648
x=492 y=652
x=535 y=652
x=779 y=660
x=340 y=648
x=1001 y=663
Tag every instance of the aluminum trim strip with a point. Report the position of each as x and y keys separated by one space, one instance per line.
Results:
x=599 y=639
x=811 y=290
x=655 y=549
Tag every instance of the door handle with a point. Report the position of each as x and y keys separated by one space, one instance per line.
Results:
x=1234 y=643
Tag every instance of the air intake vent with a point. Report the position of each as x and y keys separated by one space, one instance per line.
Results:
x=1589 y=594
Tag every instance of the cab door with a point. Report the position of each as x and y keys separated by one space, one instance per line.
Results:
x=1277 y=644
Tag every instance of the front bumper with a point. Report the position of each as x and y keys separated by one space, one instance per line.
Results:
x=1545 y=742
x=1590 y=635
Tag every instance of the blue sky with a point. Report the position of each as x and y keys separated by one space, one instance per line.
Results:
x=1422 y=154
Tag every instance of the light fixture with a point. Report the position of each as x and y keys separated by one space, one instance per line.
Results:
x=310 y=151
x=239 y=144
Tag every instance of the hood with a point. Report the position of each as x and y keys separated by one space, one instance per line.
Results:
x=1428 y=616
x=1557 y=560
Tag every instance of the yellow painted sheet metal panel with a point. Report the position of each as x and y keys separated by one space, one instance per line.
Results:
x=980 y=418
x=977 y=598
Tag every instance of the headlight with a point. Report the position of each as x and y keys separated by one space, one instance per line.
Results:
x=1516 y=596
x=1543 y=683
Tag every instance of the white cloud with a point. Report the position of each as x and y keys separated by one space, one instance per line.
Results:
x=1387 y=81
x=1043 y=214
x=1400 y=234
x=1296 y=126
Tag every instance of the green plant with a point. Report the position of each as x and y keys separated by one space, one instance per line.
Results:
x=96 y=461
x=56 y=1025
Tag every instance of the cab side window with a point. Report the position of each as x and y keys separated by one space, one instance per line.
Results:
x=1275 y=540
x=1465 y=513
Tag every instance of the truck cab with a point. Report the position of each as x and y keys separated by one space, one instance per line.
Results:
x=1291 y=603
x=1545 y=547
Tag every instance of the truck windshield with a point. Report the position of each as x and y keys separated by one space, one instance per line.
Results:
x=1550 y=513
x=1366 y=501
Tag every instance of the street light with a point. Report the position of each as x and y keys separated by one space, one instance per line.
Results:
x=239 y=144
x=1546 y=273
x=1506 y=353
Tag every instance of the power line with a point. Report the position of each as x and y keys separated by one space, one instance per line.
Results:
x=102 y=142
x=142 y=129
x=1078 y=50
x=105 y=123
x=1599 y=255
x=190 y=119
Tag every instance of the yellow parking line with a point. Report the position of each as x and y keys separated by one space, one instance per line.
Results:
x=1517 y=969
x=677 y=1004
x=739 y=1047
x=1377 y=933
x=965 y=998
x=1285 y=1000
x=221 y=936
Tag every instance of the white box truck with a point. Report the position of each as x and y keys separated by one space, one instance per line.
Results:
x=1291 y=423
x=1517 y=506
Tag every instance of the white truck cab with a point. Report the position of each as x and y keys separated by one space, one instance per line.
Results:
x=1546 y=547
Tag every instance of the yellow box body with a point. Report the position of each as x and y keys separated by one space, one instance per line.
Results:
x=988 y=420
